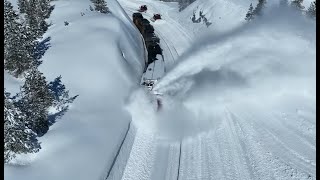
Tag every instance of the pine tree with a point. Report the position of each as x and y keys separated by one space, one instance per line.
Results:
x=45 y=8
x=17 y=56
x=258 y=10
x=311 y=12
x=22 y=5
x=297 y=4
x=36 y=13
x=18 y=138
x=33 y=21
x=44 y=12
x=101 y=6
x=35 y=99
x=249 y=15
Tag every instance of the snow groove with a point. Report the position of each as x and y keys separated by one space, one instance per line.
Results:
x=265 y=163
x=179 y=161
x=118 y=152
x=122 y=157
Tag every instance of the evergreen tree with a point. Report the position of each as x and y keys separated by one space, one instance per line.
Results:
x=249 y=15
x=17 y=56
x=22 y=5
x=297 y=4
x=36 y=13
x=18 y=138
x=311 y=12
x=258 y=10
x=101 y=6
x=32 y=21
x=45 y=8
x=35 y=99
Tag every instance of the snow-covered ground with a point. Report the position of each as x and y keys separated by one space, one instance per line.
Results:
x=238 y=104
x=100 y=57
x=238 y=99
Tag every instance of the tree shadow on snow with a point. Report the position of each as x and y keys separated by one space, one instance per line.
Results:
x=52 y=118
x=41 y=48
x=62 y=100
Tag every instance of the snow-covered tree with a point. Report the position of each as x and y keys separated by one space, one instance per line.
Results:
x=32 y=21
x=45 y=8
x=297 y=4
x=249 y=15
x=35 y=100
x=312 y=10
x=259 y=8
x=100 y=6
x=23 y=5
x=36 y=13
x=17 y=56
x=18 y=138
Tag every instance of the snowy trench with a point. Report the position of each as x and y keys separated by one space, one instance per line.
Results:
x=238 y=99
x=213 y=124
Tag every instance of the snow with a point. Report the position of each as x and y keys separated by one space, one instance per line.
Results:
x=232 y=99
x=88 y=53
x=238 y=99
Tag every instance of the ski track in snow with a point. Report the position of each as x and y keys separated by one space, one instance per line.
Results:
x=242 y=146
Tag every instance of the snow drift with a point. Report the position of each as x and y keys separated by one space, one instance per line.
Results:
x=101 y=58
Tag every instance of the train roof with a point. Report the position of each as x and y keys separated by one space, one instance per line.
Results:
x=148 y=26
x=145 y=21
x=137 y=14
x=152 y=39
x=151 y=36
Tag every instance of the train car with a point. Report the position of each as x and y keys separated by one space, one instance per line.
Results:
x=151 y=38
x=141 y=24
x=153 y=50
x=136 y=16
x=147 y=29
x=153 y=73
x=154 y=68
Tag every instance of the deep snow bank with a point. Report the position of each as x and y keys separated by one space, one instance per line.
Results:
x=101 y=58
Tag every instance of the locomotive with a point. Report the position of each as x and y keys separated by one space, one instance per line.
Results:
x=154 y=65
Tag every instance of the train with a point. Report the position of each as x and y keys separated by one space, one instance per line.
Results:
x=154 y=64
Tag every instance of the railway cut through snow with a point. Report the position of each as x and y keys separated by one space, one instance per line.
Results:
x=222 y=118
x=238 y=103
